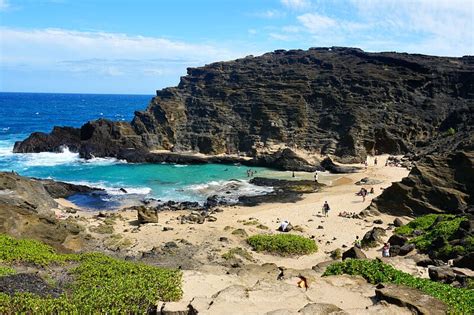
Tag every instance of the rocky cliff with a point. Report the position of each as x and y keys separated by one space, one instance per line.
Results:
x=437 y=184
x=339 y=101
x=27 y=211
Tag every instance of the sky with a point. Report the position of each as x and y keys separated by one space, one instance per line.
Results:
x=139 y=46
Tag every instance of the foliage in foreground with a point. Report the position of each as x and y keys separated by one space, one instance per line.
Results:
x=375 y=271
x=5 y=271
x=437 y=230
x=29 y=251
x=101 y=284
x=282 y=244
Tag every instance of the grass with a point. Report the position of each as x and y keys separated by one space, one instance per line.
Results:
x=237 y=251
x=282 y=244
x=461 y=301
x=437 y=230
x=101 y=284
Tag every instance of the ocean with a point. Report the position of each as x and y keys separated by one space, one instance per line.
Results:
x=24 y=113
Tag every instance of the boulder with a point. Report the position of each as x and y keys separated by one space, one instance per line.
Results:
x=396 y=239
x=413 y=299
x=405 y=249
x=466 y=261
x=442 y=274
x=394 y=250
x=354 y=253
x=373 y=237
x=397 y=222
x=147 y=215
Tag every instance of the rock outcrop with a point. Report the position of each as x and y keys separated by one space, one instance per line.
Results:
x=26 y=212
x=333 y=101
x=437 y=184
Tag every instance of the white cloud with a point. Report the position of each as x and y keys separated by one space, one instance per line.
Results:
x=108 y=54
x=270 y=14
x=4 y=5
x=315 y=23
x=296 y=4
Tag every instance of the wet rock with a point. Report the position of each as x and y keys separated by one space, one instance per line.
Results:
x=354 y=253
x=330 y=166
x=413 y=299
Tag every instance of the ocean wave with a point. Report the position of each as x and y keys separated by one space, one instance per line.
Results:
x=180 y=165
x=114 y=190
x=49 y=158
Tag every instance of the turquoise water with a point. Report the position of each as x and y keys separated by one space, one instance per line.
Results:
x=23 y=113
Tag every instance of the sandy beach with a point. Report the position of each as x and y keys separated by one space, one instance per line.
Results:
x=200 y=246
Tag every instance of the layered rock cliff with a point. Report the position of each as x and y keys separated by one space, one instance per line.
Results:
x=339 y=101
x=437 y=184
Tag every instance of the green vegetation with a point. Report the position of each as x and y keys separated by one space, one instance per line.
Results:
x=5 y=271
x=100 y=284
x=252 y=222
x=237 y=251
x=374 y=271
x=282 y=244
x=451 y=131
x=437 y=230
x=29 y=251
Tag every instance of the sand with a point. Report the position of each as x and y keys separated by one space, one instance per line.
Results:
x=329 y=232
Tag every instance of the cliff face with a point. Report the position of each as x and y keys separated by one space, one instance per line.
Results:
x=339 y=101
x=437 y=184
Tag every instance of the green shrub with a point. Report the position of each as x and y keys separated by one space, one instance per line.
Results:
x=239 y=232
x=101 y=284
x=336 y=254
x=29 y=251
x=374 y=271
x=451 y=132
x=421 y=223
x=102 y=229
x=440 y=228
x=5 y=271
x=282 y=244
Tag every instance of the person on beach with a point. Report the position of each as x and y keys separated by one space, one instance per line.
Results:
x=293 y=175
x=326 y=209
x=386 y=250
x=375 y=161
x=357 y=242
x=316 y=177
x=363 y=194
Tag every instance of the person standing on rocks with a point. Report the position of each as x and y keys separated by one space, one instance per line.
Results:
x=326 y=209
x=386 y=250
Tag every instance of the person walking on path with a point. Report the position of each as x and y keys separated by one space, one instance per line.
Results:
x=357 y=242
x=326 y=209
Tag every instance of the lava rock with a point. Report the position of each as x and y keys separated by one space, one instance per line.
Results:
x=354 y=253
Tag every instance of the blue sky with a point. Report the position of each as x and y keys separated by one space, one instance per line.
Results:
x=138 y=46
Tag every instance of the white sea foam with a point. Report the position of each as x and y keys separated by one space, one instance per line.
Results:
x=228 y=190
x=180 y=165
x=115 y=190
x=50 y=158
